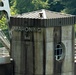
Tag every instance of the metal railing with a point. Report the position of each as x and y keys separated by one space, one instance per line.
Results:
x=4 y=40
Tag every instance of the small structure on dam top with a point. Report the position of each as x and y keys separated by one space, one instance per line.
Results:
x=43 y=43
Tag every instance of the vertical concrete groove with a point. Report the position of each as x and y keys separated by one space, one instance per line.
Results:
x=57 y=39
x=23 y=41
x=73 y=42
x=44 y=53
x=33 y=54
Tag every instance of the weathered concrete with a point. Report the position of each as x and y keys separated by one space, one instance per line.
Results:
x=67 y=63
x=34 y=54
x=67 y=68
x=68 y=73
x=38 y=36
x=38 y=58
x=49 y=58
x=49 y=34
x=16 y=50
x=49 y=51
x=67 y=32
x=38 y=53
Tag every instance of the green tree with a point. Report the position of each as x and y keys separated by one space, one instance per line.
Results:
x=55 y=5
x=3 y=23
x=40 y=4
x=13 y=7
x=70 y=6
x=24 y=6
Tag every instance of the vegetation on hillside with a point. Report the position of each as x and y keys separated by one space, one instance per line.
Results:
x=70 y=6
x=22 y=6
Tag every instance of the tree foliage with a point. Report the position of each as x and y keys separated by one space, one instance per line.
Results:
x=13 y=7
x=22 y=6
x=40 y=4
x=56 y=6
x=3 y=22
x=70 y=6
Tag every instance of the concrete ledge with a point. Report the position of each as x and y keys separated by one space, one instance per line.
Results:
x=4 y=59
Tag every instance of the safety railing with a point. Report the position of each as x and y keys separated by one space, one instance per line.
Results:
x=4 y=40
